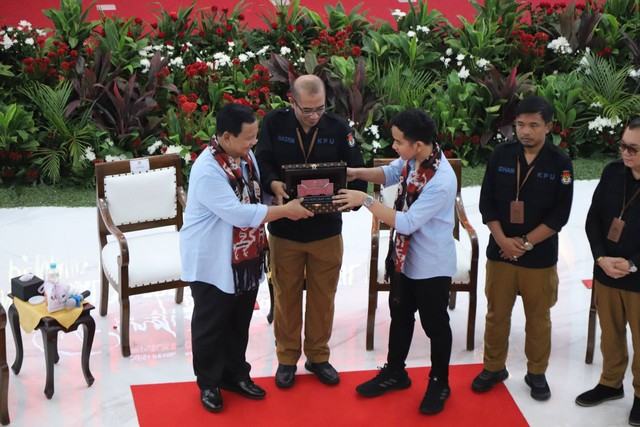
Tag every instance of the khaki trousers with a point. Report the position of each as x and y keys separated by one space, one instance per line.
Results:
x=292 y=263
x=616 y=308
x=539 y=290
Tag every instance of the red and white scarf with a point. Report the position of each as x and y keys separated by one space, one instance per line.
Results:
x=408 y=191
x=249 y=244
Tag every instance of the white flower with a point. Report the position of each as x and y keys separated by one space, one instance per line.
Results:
x=89 y=154
x=448 y=52
x=145 y=64
x=600 y=123
x=7 y=42
x=595 y=105
x=301 y=60
x=250 y=54
x=243 y=57
x=263 y=50
x=634 y=74
x=154 y=147
x=397 y=13
x=187 y=157
x=109 y=142
x=463 y=73
x=423 y=28
x=411 y=34
x=560 y=45
x=41 y=32
x=284 y=50
x=374 y=131
x=173 y=149
x=352 y=123
x=24 y=23
x=483 y=64
x=231 y=44
x=445 y=61
x=110 y=158
x=176 y=62
x=29 y=41
x=221 y=59
x=376 y=145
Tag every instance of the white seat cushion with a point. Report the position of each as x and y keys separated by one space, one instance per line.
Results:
x=153 y=258
x=463 y=259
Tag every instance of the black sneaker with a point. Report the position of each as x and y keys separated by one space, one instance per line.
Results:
x=437 y=393
x=385 y=381
x=487 y=379
x=634 y=416
x=539 y=387
x=285 y=375
x=601 y=393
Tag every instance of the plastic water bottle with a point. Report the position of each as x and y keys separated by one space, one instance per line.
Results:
x=53 y=275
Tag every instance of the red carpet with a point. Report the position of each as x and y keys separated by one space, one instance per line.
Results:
x=310 y=403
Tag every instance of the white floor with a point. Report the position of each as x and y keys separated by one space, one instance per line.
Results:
x=160 y=332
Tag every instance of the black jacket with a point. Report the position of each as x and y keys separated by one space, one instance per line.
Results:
x=606 y=205
x=547 y=195
x=278 y=145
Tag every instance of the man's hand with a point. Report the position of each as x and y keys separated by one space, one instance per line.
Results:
x=349 y=199
x=615 y=267
x=511 y=248
x=351 y=174
x=279 y=190
x=296 y=211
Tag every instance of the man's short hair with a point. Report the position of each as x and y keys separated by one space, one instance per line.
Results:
x=231 y=117
x=634 y=122
x=535 y=104
x=416 y=125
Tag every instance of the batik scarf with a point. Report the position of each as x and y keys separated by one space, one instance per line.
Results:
x=249 y=244
x=408 y=191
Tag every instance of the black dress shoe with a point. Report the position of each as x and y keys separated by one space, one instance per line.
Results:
x=246 y=388
x=211 y=399
x=324 y=371
x=285 y=375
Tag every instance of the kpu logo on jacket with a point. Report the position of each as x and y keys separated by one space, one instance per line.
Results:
x=566 y=177
x=351 y=140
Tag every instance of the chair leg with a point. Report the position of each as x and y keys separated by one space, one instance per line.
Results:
x=179 y=295
x=591 y=329
x=124 y=326
x=270 y=315
x=104 y=293
x=371 y=317
x=471 y=321
x=452 y=299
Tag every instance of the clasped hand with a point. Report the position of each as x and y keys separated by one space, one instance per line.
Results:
x=511 y=248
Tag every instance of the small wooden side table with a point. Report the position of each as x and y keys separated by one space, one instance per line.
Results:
x=50 y=328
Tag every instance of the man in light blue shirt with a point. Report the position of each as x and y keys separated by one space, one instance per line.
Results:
x=222 y=248
x=422 y=256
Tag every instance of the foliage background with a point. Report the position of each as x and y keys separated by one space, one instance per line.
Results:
x=91 y=91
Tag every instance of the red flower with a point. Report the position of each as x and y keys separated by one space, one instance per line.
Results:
x=137 y=142
x=356 y=51
x=173 y=16
x=29 y=69
x=188 y=107
x=138 y=21
x=261 y=113
x=291 y=28
x=64 y=65
x=274 y=25
x=161 y=35
x=180 y=34
x=31 y=174
x=219 y=31
x=214 y=9
x=241 y=17
x=205 y=109
x=154 y=25
x=194 y=156
x=27 y=61
x=40 y=41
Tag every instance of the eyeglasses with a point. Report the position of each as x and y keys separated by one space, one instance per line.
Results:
x=308 y=112
x=631 y=149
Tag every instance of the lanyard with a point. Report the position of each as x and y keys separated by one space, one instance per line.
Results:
x=518 y=185
x=313 y=141
x=624 y=197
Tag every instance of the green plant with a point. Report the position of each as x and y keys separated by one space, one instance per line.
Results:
x=17 y=142
x=117 y=40
x=62 y=142
x=71 y=23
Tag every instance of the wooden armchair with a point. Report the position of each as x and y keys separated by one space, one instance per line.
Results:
x=466 y=277
x=140 y=204
x=591 y=325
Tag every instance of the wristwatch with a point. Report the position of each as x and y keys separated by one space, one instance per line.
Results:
x=368 y=201
x=526 y=243
x=632 y=266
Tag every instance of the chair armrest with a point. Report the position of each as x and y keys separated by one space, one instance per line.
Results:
x=464 y=221
x=105 y=215
x=182 y=197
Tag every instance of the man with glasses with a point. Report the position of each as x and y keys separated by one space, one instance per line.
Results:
x=309 y=251
x=613 y=227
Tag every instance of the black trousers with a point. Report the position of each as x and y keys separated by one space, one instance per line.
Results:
x=430 y=297
x=220 y=334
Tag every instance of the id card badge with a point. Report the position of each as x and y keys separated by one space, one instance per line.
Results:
x=517 y=212
x=615 y=231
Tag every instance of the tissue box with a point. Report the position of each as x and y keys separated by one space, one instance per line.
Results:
x=26 y=290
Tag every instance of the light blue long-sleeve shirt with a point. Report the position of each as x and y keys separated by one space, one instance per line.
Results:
x=429 y=221
x=213 y=209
